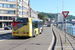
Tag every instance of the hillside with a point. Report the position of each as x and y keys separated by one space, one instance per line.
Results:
x=53 y=16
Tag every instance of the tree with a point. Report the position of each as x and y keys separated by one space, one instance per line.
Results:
x=41 y=17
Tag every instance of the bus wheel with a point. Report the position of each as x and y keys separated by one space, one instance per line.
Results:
x=40 y=31
x=35 y=34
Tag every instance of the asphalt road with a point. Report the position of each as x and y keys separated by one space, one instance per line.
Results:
x=40 y=42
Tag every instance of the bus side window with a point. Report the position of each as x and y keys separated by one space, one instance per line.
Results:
x=36 y=24
x=33 y=25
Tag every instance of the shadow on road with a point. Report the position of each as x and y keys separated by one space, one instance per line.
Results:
x=19 y=38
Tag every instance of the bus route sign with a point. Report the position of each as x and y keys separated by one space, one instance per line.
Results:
x=65 y=13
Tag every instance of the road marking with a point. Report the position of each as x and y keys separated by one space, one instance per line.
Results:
x=50 y=47
x=3 y=39
x=6 y=31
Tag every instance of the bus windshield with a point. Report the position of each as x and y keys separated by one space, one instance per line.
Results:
x=21 y=20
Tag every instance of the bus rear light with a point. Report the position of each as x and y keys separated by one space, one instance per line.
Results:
x=14 y=32
x=17 y=32
x=25 y=32
x=28 y=20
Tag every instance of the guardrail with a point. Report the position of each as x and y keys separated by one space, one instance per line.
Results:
x=70 y=30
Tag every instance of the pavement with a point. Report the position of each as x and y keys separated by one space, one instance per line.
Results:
x=60 y=40
x=40 y=42
x=1 y=29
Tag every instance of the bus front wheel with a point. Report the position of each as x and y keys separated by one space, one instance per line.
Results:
x=35 y=34
x=40 y=31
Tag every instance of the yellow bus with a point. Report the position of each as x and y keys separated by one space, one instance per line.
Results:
x=27 y=27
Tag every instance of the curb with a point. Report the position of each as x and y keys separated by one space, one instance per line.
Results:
x=52 y=43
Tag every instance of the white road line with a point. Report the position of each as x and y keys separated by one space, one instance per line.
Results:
x=6 y=31
x=50 y=47
x=3 y=40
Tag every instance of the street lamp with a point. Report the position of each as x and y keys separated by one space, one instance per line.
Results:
x=63 y=17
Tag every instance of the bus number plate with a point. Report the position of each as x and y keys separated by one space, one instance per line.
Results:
x=15 y=27
x=20 y=32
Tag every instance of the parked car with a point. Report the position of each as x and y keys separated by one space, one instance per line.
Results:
x=8 y=28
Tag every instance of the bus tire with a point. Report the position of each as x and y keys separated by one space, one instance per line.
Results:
x=41 y=32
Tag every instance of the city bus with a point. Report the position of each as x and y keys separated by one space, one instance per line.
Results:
x=26 y=27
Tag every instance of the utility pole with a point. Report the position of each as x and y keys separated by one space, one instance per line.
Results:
x=17 y=8
x=29 y=9
x=63 y=17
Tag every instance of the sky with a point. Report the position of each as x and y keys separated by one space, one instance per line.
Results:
x=53 y=6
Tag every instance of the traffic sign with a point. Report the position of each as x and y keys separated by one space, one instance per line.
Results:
x=65 y=13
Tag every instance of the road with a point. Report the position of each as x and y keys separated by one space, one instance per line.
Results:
x=40 y=42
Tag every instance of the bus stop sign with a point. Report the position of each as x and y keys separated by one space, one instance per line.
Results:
x=65 y=13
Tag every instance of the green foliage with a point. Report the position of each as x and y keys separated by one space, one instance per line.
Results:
x=54 y=16
x=41 y=17
x=49 y=15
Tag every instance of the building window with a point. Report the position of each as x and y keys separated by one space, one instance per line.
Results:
x=20 y=7
x=4 y=0
x=0 y=5
x=21 y=2
x=20 y=13
x=11 y=12
x=25 y=4
x=0 y=17
x=4 y=18
x=24 y=13
x=11 y=6
x=7 y=12
x=18 y=1
x=11 y=0
x=5 y=5
x=10 y=18
x=25 y=9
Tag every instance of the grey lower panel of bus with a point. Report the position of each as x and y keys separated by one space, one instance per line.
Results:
x=38 y=30
x=32 y=31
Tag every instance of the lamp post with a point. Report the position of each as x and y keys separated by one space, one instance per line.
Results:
x=63 y=17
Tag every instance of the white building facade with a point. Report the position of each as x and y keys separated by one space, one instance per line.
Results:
x=59 y=17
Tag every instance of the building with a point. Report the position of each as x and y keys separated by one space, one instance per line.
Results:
x=31 y=12
x=59 y=17
x=10 y=9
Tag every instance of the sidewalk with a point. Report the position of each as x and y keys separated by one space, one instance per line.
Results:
x=4 y=32
x=60 y=40
x=1 y=28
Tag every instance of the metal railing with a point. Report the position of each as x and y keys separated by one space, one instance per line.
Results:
x=70 y=30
